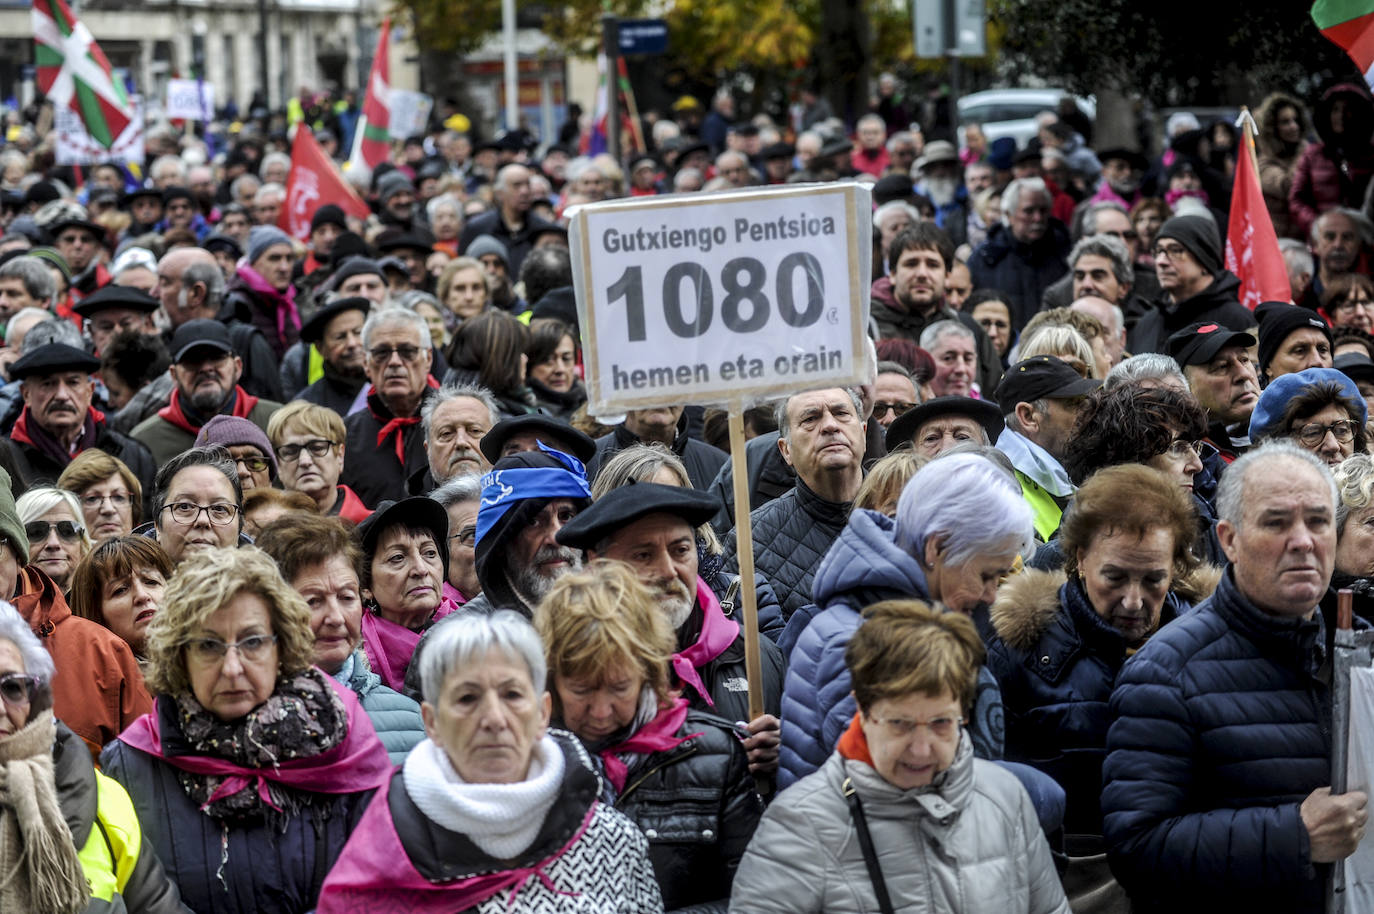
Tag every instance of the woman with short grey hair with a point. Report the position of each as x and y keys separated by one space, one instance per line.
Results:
x=494 y=793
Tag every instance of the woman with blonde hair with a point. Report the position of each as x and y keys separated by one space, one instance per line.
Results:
x=111 y=495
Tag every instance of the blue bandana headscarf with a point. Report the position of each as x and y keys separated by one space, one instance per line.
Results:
x=504 y=489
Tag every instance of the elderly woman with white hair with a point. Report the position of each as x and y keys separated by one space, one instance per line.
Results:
x=56 y=531
x=961 y=527
x=492 y=812
x=71 y=841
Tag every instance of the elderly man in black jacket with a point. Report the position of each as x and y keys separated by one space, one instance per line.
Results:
x=821 y=435
x=652 y=528
x=1216 y=785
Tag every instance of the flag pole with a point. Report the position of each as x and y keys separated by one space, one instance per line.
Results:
x=1249 y=131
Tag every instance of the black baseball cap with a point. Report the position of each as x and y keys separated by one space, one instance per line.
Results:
x=1199 y=342
x=1041 y=377
x=199 y=334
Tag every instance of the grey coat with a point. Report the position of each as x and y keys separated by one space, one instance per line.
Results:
x=971 y=844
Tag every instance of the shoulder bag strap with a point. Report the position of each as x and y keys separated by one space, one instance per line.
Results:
x=875 y=872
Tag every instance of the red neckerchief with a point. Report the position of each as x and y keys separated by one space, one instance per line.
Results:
x=657 y=735
x=22 y=434
x=853 y=745
x=717 y=633
x=244 y=402
x=395 y=424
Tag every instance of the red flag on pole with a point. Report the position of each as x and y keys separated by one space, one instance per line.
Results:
x=1252 y=248
x=372 y=137
x=313 y=182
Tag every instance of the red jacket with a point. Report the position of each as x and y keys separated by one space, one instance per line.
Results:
x=98 y=689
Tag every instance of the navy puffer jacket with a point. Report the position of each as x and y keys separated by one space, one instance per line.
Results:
x=865 y=566
x=1056 y=661
x=1221 y=728
x=1021 y=272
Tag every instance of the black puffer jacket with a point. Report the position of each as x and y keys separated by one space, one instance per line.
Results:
x=1221 y=727
x=697 y=806
x=725 y=676
x=1020 y=271
x=792 y=533
x=1218 y=303
x=768 y=474
x=703 y=462
x=36 y=467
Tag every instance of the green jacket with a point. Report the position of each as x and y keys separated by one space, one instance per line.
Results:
x=165 y=440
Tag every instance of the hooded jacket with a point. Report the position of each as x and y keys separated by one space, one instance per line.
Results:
x=1019 y=270
x=864 y=567
x=1218 y=303
x=1221 y=728
x=1056 y=661
x=1336 y=171
x=896 y=322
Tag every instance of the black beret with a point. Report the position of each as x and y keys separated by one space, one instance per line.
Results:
x=52 y=358
x=113 y=296
x=619 y=508
x=563 y=436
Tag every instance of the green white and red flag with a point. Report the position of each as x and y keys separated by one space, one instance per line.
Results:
x=74 y=73
x=372 y=138
x=1350 y=24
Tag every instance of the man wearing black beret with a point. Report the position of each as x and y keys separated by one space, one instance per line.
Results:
x=653 y=529
x=58 y=421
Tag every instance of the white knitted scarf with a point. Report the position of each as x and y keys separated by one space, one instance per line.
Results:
x=501 y=819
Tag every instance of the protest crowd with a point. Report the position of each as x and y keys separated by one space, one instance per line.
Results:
x=324 y=591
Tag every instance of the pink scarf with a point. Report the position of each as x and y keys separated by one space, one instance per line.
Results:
x=285 y=301
x=717 y=633
x=390 y=646
x=374 y=873
x=358 y=763
x=657 y=735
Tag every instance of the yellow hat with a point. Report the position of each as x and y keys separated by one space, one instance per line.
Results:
x=686 y=103
x=458 y=122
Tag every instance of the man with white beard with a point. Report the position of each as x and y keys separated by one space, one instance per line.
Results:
x=939 y=177
x=652 y=528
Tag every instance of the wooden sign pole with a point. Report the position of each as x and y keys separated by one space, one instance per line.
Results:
x=744 y=550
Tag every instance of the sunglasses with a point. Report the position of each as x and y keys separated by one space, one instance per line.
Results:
x=37 y=530
x=18 y=688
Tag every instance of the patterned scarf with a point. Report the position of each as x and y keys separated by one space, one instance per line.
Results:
x=302 y=718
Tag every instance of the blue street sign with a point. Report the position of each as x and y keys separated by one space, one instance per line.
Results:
x=643 y=36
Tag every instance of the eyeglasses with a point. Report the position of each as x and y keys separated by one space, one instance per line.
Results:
x=467 y=536
x=1182 y=448
x=318 y=447
x=901 y=728
x=17 y=688
x=118 y=499
x=1128 y=235
x=37 y=530
x=382 y=354
x=254 y=464
x=1170 y=251
x=1362 y=304
x=880 y=408
x=187 y=513
x=1314 y=433
x=213 y=650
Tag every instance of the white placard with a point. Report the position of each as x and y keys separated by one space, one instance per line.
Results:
x=190 y=99
x=721 y=298
x=408 y=113
x=74 y=146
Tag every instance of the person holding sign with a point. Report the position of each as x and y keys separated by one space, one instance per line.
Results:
x=1216 y=788
x=652 y=528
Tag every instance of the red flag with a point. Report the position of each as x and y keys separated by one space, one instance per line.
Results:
x=372 y=137
x=1252 y=248
x=313 y=182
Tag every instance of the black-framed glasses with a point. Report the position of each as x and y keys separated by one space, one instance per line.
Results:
x=67 y=531
x=17 y=688
x=253 y=463
x=1314 y=433
x=213 y=650
x=318 y=447
x=187 y=512
x=881 y=407
x=118 y=499
x=1171 y=251
x=466 y=536
x=382 y=354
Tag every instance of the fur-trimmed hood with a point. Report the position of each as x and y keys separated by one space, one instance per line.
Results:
x=1028 y=602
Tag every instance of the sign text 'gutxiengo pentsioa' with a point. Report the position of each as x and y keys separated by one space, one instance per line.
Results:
x=713 y=298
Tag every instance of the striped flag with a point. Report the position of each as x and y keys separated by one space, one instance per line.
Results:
x=372 y=138
x=73 y=72
x=1350 y=24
